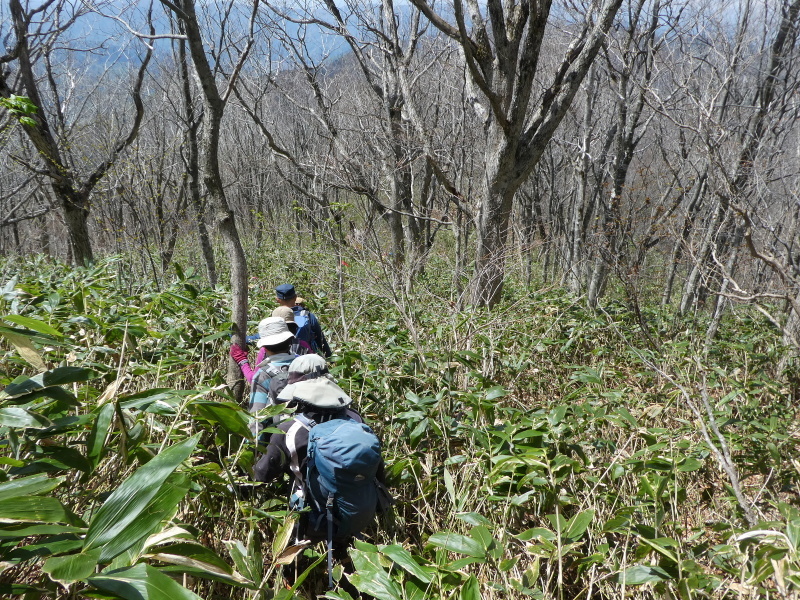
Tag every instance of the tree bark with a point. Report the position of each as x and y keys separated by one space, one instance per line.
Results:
x=502 y=58
x=71 y=190
x=213 y=108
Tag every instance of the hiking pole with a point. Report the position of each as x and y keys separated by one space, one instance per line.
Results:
x=329 y=508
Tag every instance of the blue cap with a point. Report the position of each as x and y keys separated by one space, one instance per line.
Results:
x=285 y=291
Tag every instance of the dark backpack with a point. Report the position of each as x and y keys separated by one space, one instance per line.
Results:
x=338 y=482
x=300 y=347
x=261 y=393
x=302 y=318
x=276 y=385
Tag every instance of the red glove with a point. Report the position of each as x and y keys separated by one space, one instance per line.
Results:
x=237 y=354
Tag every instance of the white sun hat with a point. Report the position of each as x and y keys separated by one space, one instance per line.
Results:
x=272 y=331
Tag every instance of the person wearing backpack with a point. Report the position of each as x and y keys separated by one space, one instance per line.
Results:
x=299 y=347
x=308 y=327
x=332 y=457
x=276 y=341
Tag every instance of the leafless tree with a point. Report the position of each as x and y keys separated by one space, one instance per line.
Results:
x=32 y=67
x=221 y=63
x=501 y=48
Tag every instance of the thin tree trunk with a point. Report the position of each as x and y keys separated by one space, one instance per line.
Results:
x=214 y=106
x=192 y=162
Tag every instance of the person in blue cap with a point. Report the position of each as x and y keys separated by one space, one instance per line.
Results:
x=308 y=327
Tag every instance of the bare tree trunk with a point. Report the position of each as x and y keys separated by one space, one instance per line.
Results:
x=71 y=190
x=721 y=299
x=192 y=162
x=502 y=58
x=574 y=226
x=214 y=106
x=688 y=222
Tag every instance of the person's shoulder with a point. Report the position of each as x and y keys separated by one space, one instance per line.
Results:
x=354 y=415
x=286 y=425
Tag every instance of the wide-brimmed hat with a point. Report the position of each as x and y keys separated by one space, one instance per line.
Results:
x=306 y=366
x=285 y=313
x=320 y=391
x=285 y=291
x=273 y=331
x=310 y=382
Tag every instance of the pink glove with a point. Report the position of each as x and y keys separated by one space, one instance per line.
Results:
x=237 y=354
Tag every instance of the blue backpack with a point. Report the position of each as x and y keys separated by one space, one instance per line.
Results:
x=302 y=317
x=339 y=485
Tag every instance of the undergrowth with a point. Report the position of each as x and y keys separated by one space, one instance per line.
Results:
x=538 y=450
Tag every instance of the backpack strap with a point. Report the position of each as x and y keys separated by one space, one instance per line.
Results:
x=300 y=422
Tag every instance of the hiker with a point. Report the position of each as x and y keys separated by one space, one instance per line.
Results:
x=344 y=494
x=287 y=314
x=299 y=347
x=275 y=340
x=308 y=325
x=239 y=354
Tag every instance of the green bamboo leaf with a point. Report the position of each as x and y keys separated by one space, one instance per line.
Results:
x=20 y=418
x=470 y=590
x=141 y=582
x=690 y=464
x=660 y=546
x=215 y=336
x=641 y=574
x=59 y=376
x=126 y=505
x=31 y=336
x=55 y=392
x=232 y=418
x=177 y=566
x=197 y=560
x=496 y=392
x=539 y=533
x=33 y=485
x=73 y=567
x=473 y=518
x=20 y=589
x=282 y=537
x=371 y=579
x=34 y=509
x=578 y=524
x=68 y=425
x=413 y=591
x=54 y=545
x=455 y=542
x=65 y=375
x=143 y=400
x=403 y=558
x=194 y=551
x=16 y=530
x=34 y=324
x=483 y=536
x=96 y=440
x=559 y=523
x=64 y=458
x=462 y=563
x=238 y=553
x=161 y=507
x=625 y=414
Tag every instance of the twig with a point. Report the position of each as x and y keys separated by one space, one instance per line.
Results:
x=720 y=449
